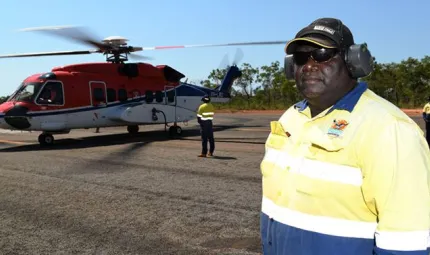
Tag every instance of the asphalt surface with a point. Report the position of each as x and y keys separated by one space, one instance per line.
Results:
x=115 y=193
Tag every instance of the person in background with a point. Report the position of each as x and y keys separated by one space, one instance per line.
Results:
x=205 y=115
x=345 y=172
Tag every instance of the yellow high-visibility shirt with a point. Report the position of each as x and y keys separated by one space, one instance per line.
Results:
x=354 y=180
x=426 y=108
x=206 y=111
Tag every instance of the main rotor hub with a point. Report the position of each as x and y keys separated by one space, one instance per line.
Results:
x=115 y=41
x=117 y=49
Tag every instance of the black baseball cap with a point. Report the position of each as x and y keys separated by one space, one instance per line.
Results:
x=319 y=31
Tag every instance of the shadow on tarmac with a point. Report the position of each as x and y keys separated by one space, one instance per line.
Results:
x=139 y=140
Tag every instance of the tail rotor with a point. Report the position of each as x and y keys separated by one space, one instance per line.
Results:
x=238 y=57
x=226 y=63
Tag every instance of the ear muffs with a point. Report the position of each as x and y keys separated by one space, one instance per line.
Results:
x=289 y=67
x=358 y=59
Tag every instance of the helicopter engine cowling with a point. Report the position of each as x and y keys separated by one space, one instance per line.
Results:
x=17 y=117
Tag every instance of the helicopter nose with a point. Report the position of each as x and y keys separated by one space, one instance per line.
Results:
x=16 y=117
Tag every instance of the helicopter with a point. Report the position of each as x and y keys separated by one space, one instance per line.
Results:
x=107 y=94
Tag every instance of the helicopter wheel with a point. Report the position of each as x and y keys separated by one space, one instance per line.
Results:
x=175 y=131
x=133 y=129
x=46 y=139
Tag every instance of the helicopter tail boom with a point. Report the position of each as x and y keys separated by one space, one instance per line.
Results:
x=232 y=74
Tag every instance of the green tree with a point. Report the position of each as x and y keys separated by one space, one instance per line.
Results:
x=266 y=78
x=249 y=76
x=3 y=99
x=215 y=78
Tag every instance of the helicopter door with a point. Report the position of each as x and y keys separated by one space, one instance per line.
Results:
x=170 y=95
x=98 y=93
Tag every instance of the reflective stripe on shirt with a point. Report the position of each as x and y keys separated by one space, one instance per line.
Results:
x=206 y=111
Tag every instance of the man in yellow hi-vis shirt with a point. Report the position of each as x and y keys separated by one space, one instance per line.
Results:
x=426 y=117
x=345 y=172
x=205 y=115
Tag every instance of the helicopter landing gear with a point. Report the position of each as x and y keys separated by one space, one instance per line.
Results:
x=134 y=129
x=175 y=130
x=46 y=139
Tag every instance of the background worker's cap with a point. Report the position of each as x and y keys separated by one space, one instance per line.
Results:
x=324 y=32
x=205 y=98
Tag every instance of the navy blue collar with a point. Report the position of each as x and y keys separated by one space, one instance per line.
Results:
x=347 y=102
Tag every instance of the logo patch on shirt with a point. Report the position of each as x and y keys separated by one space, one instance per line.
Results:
x=337 y=127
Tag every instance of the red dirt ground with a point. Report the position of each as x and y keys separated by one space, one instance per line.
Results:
x=413 y=112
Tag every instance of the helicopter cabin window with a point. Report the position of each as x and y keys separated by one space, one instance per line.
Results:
x=171 y=96
x=159 y=96
x=149 y=96
x=98 y=94
x=111 y=95
x=52 y=94
x=122 y=95
x=26 y=92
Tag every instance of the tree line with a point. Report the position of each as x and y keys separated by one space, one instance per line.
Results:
x=406 y=84
x=3 y=99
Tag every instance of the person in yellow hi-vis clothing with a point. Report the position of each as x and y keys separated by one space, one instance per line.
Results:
x=345 y=172
x=426 y=117
x=205 y=115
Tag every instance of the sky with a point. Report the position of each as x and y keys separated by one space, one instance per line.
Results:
x=393 y=30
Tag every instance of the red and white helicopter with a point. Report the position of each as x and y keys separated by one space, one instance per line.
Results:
x=115 y=93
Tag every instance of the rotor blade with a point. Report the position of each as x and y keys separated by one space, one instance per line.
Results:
x=138 y=57
x=214 y=45
x=224 y=62
x=134 y=49
x=238 y=56
x=75 y=33
x=54 y=53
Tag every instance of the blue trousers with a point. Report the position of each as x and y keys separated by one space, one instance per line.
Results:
x=207 y=134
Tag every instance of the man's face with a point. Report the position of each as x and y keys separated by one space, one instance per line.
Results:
x=322 y=77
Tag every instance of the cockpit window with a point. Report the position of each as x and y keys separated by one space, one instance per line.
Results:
x=26 y=92
x=52 y=94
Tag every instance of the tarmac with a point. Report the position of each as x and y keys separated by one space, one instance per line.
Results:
x=116 y=193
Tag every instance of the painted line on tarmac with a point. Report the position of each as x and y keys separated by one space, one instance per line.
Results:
x=13 y=142
x=7 y=131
